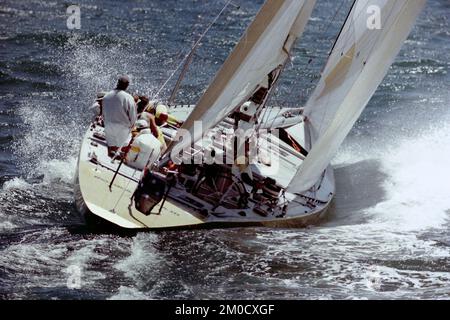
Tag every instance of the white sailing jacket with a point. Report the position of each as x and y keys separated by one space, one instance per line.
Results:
x=119 y=114
x=144 y=149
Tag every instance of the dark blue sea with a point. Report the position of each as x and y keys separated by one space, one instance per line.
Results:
x=386 y=236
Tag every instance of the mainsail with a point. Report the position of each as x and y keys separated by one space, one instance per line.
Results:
x=356 y=66
x=264 y=47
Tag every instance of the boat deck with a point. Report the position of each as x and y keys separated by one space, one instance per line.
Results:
x=182 y=208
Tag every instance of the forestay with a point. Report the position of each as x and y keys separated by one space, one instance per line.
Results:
x=356 y=66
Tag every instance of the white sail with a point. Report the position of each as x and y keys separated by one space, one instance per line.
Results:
x=357 y=64
x=264 y=47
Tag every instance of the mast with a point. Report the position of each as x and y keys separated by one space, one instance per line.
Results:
x=182 y=74
x=264 y=47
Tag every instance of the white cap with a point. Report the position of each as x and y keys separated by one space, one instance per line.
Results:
x=141 y=124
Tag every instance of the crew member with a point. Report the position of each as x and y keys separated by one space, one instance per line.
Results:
x=242 y=146
x=119 y=113
x=142 y=104
x=156 y=121
x=98 y=104
x=145 y=149
x=97 y=107
x=152 y=108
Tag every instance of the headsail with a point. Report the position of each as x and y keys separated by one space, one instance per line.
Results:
x=264 y=47
x=356 y=66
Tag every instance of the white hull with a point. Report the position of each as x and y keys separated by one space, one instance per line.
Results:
x=181 y=209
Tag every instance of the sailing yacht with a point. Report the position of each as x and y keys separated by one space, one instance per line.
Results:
x=289 y=181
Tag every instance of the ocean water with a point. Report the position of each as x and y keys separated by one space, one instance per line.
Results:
x=386 y=236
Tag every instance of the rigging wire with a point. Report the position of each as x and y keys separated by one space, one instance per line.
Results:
x=324 y=114
x=185 y=59
x=324 y=31
x=342 y=28
x=123 y=192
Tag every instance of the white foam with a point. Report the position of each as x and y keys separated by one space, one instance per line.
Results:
x=16 y=183
x=418 y=187
x=142 y=257
x=127 y=293
x=81 y=259
x=363 y=261
x=37 y=260
x=353 y=152
x=6 y=225
x=62 y=170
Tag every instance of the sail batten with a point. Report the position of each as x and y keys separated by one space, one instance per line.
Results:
x=356 y=66
x=264 y=47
